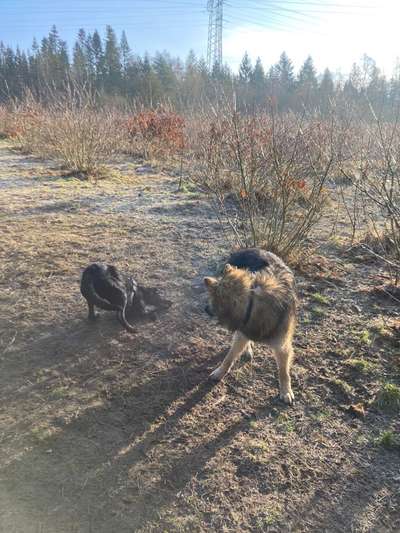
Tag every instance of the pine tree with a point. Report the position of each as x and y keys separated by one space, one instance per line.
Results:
x=326 y=91
x=96 y=48
x=245 y=69
x=165 y=74
x=112 y=62
x=307 y=78
x=126 y=54
x=53 y=61
x=79 y=57
x=258 y=83
x=307 y=84
x=284 y=70
x=284 y=76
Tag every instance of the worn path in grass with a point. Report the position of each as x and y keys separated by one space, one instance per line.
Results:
x=105 y=431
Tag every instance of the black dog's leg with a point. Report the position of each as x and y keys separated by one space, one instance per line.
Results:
x=92 y=313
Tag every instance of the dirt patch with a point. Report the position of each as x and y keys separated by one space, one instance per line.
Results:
x=102 y=430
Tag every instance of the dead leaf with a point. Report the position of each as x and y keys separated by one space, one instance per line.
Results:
x=356 y=409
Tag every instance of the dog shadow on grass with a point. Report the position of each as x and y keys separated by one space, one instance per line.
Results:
x=73 y=476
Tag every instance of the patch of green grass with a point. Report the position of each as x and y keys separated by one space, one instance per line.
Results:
x=365 y=337
x=60 y=392
x=317 y=311
x=320 y=416
x=388 y=398
x=267 y=518
x=188 y=188
x=258 y=445
x=385 y=334
x=256 y=450
x=361 y=365
x=343 y=386
x=380 y=330
x=388 y=439
x=337 y=241
x=40 y=433
x=320 y=298
x=285 y=423
x=362 y=440
x=254 y=424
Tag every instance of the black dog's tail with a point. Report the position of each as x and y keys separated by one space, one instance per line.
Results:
x=122 y=318
x=106 y=306
x=89 y=292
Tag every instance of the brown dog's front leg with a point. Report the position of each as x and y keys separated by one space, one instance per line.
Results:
x=239 y=344
x=284 y=357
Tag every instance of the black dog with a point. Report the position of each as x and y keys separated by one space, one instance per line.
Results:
x=105 y=287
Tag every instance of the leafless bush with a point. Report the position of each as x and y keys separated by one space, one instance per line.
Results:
x=266 y=174
x=17 y=118
x=73 y=131
x=4 y=116
x=376 y=176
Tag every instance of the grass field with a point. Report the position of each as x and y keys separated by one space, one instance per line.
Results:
x=106 y=431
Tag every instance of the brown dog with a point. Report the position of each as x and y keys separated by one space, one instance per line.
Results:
x=257 y=301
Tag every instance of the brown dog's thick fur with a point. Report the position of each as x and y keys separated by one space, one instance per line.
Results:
x=257 y=306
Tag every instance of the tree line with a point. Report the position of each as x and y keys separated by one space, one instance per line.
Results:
x=109 y=65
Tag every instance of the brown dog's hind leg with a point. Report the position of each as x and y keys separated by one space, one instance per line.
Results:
x=284 y=356
x=239 y=344
x=248 y=352
x=92 y=315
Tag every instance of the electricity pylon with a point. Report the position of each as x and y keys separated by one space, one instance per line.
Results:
x=214 y=48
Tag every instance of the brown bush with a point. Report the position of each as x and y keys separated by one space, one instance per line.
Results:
x=155 y=133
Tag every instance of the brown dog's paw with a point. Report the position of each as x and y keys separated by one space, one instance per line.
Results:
x=287 y=397
x=218 y=374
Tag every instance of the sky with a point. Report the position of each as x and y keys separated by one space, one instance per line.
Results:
x=335 y=33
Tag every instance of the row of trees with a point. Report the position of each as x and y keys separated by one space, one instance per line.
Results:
x=110 y=66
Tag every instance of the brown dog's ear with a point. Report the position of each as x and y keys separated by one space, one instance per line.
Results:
x=210 y=282
x=228 y=268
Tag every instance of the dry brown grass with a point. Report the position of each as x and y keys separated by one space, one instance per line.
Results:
x=104 y=431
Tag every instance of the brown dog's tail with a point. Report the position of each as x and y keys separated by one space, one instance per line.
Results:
x=122 y=318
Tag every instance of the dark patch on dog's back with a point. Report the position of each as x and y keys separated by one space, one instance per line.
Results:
x=255 y=259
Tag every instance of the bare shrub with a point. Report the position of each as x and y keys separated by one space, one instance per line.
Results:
x=17 y=118
x=266 y=175
x=4 y=115
x=71 y=130
x=376 y=175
